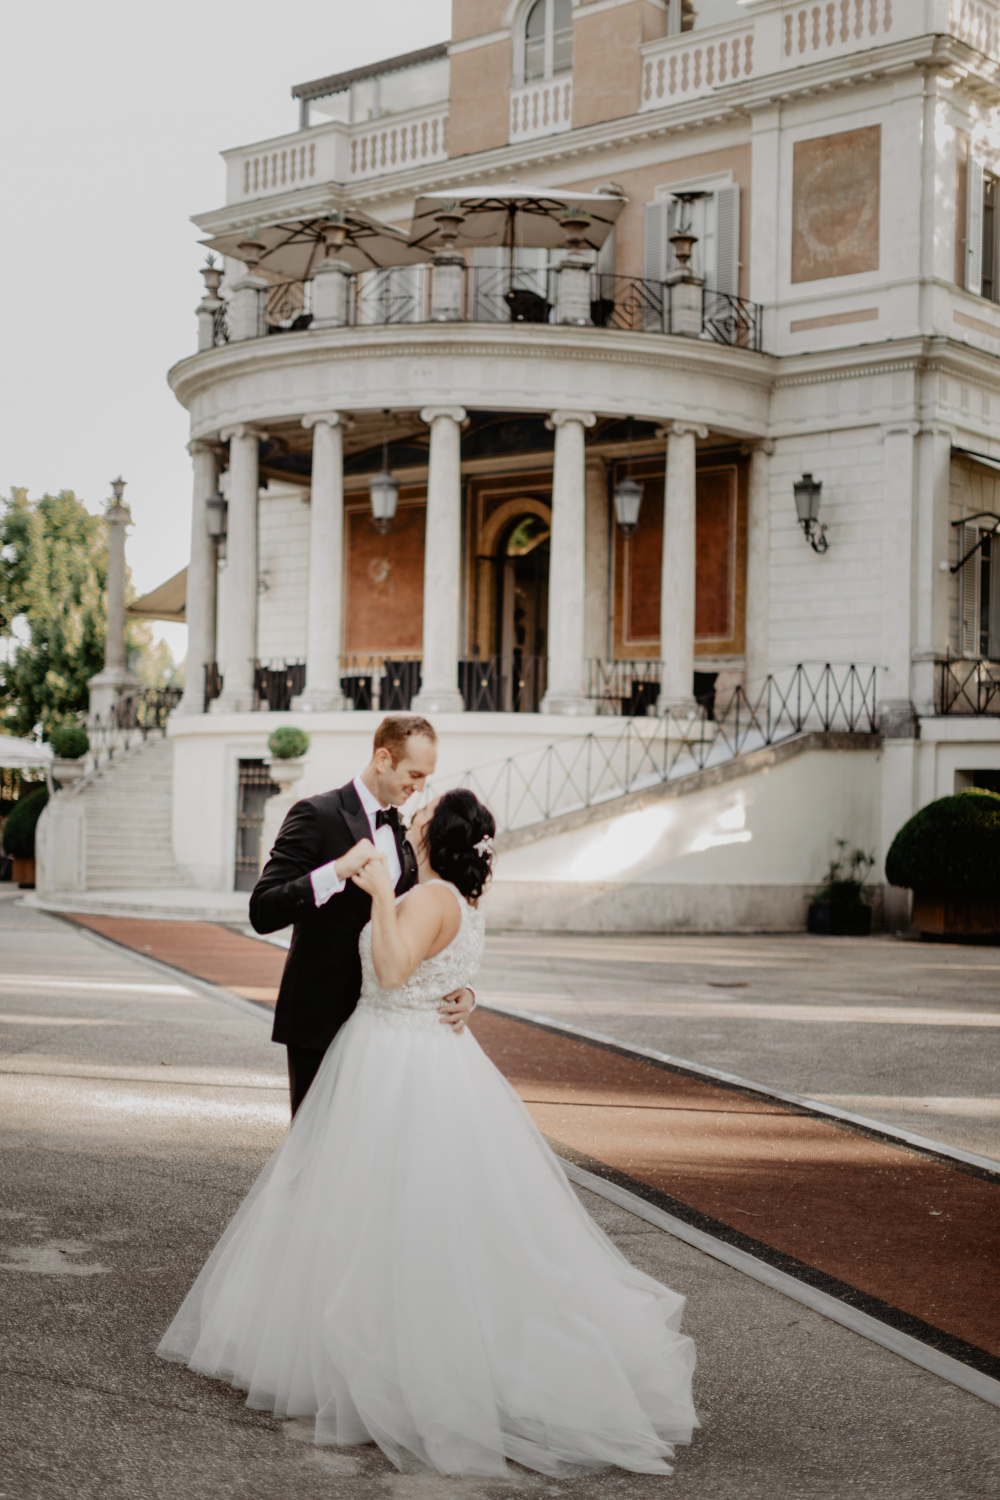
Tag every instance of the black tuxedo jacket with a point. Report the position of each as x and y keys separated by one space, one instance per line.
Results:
x=322 y=976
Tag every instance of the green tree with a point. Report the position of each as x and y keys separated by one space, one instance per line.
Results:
x=53 y=573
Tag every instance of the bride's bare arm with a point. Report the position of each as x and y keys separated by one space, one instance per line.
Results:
x=404 y=935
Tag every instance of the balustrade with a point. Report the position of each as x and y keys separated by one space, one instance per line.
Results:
x=541 y=108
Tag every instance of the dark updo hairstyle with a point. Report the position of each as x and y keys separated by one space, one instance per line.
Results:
x=459 y=823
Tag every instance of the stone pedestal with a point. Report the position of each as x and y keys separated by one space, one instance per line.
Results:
x=566 y=691
x=287 y=774
x=447 y=287
x=685 y=292
x=442 y=565
x=331 y=285
x=573 y=291
x=246 y=309
x=206 y=312
x=326 y=566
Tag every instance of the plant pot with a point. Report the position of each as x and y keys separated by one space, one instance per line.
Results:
x=66 y=773
x=285 y=772
x=24 y=874
x=839 y=919
x=956 y=916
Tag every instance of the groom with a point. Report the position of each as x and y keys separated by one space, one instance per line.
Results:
x=323 y=841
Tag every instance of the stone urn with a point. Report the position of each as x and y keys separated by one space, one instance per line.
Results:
x=66 y=773
x=286 y=774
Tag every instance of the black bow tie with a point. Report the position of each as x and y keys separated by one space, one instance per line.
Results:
x=388 y=815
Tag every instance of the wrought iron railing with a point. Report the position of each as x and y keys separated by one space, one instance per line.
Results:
x=968 y=686
x=388 y=683
x=493 y=295
x=514 y=683
x=213 y=682
x=220 y=324
x=276 y=683
x=134 y=716
x=584 y=770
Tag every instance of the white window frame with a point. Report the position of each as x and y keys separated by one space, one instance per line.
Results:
x=718 y=262
x=520 y=39
x=979 y=168
x=970 y=595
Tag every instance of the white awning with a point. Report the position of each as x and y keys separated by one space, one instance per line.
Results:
x=164 y=603
x=19 y=755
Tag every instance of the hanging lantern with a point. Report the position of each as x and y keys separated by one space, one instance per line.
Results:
x=628 y=499
x=383 y=489
x=217 y=509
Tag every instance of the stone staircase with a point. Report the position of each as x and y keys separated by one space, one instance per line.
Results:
x=127 y=810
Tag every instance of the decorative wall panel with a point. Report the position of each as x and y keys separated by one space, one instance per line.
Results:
x=384 y=600
x=836 y=184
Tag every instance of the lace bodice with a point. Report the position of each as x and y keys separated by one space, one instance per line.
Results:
x=415 y=1002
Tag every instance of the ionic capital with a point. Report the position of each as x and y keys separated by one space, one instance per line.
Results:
x=202 y=445
x=758 y=445
x=430 y=414
x=329 y=419
x=242 y=430
x=682 y=429
x=562 y=418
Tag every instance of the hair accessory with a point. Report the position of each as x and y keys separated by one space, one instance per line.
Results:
x=485 y=845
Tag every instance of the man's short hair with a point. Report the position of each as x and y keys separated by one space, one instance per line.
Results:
x=393 y=733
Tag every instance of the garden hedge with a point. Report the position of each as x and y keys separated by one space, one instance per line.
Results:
x=19 y=829
x=950 y=847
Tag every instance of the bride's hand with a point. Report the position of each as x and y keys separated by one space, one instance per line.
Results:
x=374 y=878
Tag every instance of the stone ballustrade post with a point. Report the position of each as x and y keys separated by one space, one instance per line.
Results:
x=758 y=592
x=686 y=294
x=246 y=308
x=442 y=564
x=573 y=291
x=677 y=579
x=331 y=282
x=447 y=286
x=202 y=580
x=240 y=598
x=566 y=689
x=326 y=565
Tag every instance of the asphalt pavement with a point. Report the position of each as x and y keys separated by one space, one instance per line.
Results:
x=136 y=1113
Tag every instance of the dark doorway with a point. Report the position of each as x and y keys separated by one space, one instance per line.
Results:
x=255 y=786
x=522 y=594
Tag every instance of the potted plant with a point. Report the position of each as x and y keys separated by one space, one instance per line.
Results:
x=948 y=854
x=69 y=744
x=19 y=836
x=287 y=746
x=840 y=907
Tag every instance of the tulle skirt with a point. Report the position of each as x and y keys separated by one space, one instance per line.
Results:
x=413 y=1268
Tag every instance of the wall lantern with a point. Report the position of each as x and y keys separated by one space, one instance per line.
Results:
x=627 y=495
x=808 y=492
x=118 y=489
x=383 y=490
x=217 y=510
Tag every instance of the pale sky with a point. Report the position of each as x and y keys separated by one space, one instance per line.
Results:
x=113 y=114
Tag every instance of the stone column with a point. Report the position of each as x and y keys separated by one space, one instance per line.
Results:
x=240 y=598
x=202 y=579
x=596 y=644
x=442 y=564
x=932 y=584
x=758 y=588
x=566 y=690
x=107 y=686
x=899 y=472
x=678 y=570
x=326 y=565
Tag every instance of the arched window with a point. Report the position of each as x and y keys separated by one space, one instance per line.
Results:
x=548 y=39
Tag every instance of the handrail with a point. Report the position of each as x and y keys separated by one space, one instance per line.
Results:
x=132 y=718
x=585 y=770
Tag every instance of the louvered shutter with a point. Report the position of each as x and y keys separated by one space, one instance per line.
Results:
x=654 y=241
x=727 y=240
x=994 y=588
x=969 y=585
x=974 y=226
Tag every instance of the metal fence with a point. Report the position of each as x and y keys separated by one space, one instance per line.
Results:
x=584 y=770
x=967 y=686
x=276 y=683
x=131 y=719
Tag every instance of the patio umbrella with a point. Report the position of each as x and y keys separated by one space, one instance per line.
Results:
x=512 y=215
x=291 y=249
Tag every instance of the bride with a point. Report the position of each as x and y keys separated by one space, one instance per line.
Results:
x=412 y=1266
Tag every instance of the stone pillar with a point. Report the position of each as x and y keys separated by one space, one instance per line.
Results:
x=442 y=564
x=686 y=298
x=107 y=686
x=573 y=291
x=678 y=570
x=202 y=580
x=246 y=305
x=596 y=644
x=899 y=473
x=447 y=286
x=331 y=282
x=326 y=566
x=758 y=588
x=240 y=599
x=932 y=584
x=566 y=689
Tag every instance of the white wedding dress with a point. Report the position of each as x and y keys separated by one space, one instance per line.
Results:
x=412 y=1267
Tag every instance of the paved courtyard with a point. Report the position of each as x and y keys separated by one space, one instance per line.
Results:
x=136 y=1111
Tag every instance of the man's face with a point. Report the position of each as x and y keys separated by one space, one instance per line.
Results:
x=397 y=783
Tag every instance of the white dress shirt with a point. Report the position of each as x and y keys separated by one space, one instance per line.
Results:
x=325 y=880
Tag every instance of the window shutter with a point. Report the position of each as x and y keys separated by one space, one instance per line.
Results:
x=974 y=227
x=654 y=241
x=969 y=580
x=994 y=603
x=727 y=240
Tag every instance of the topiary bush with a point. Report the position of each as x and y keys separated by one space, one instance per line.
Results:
x=950 y=847
x=19 y=829
x=69 y=741
x=288 y=743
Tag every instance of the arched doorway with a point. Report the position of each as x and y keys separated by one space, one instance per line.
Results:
x=522 y=599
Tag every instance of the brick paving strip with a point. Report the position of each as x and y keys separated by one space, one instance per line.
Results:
x=907 y=1237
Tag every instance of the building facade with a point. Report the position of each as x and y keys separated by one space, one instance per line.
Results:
x=835 y=166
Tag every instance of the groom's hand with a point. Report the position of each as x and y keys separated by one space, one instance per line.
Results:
x=456 y=1008
x=355 y=859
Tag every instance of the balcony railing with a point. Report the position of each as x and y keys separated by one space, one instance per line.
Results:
x=968 y=686
x=132 y=718
x=492 y=296
x=584 y=770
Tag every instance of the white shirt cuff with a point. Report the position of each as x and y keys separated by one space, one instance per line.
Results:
x=326 y=883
